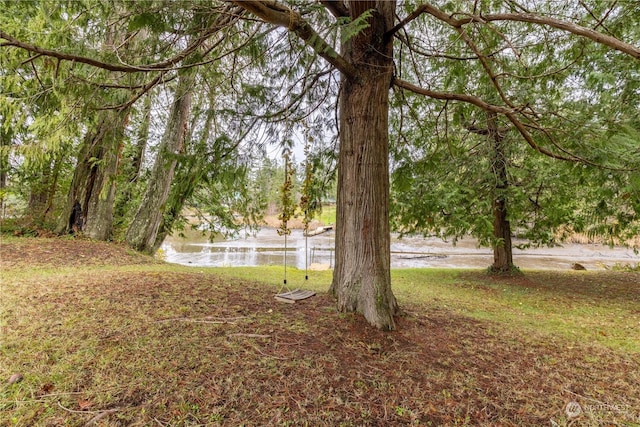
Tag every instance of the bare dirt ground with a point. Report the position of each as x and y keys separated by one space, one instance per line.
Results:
x=120 y=340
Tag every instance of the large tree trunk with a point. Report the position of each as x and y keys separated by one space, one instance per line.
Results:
x=188 y=175
x=93 y=186
x=143 y=230
x=502 y=247
x=182 y=189
x=362 y=279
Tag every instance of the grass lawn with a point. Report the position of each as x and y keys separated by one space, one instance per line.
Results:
x=103 y=336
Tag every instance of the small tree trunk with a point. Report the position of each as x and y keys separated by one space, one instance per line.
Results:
x=502 y=247
x=142 y=137
x=502 y=250
x=39 y=195
x=5 y=144
x=131 y=170
x=143 y=230
x=362 y=278
x=53 y=187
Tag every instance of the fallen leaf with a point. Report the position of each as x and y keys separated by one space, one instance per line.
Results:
x=84 y=404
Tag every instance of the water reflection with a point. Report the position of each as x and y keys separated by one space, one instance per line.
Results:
x=267 y=248
x=263 y=248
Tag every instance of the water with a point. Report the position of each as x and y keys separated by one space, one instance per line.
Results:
x=267 y=248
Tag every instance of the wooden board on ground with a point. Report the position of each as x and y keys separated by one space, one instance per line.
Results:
x=293 y=296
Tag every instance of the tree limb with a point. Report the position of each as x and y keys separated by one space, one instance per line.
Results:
x=167 y=65
x=281 y=15
x=336 y=7
x=126 y=68
x=450 y=96
x=12 y=41
x=509 y=113
x=533 y=18
x=593 y=35
x=413 y=15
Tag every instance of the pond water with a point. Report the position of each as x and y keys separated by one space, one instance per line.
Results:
x=267 y=248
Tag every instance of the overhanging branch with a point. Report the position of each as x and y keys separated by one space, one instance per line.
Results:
x=12 y=41
x=222 y=20
x=509 y=113
x=336 y=7
x=413 y=15
x=593 y=35
x=533 y=18
x=281 y=15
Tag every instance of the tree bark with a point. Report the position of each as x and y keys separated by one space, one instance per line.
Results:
x=502 y=246
x=142 y=136
x=39 y=194
x=362 y=279
x=131 y=170
x=143 y=230
x=186 y=179
x=93 y=185
x=5 y=144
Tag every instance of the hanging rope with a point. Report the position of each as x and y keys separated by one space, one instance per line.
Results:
x=288 y=208
x=284 y=284
x=305 y=203
x=306 y=247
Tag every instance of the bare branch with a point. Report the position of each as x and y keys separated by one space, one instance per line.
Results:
x=405 y=41
x=167 y=65
x=478 y=102
x=413 y=15
x=281 y=15
x=533 y=18
x=593 y=35
x=12 y=41
x=74 y=77
x=147 y=87
x=485 y=64
x=450 y=96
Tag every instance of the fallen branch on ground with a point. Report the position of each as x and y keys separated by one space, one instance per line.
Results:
x=250 y=335
x=207 y=319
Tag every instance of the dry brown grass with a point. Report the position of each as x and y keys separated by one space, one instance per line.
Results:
x=120 y=340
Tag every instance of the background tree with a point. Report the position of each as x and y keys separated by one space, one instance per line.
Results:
x=143 y=230
x=145 y=30
x=544 y=198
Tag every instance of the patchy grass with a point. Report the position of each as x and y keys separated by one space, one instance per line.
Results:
x=328 y=215
x=105 y=336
